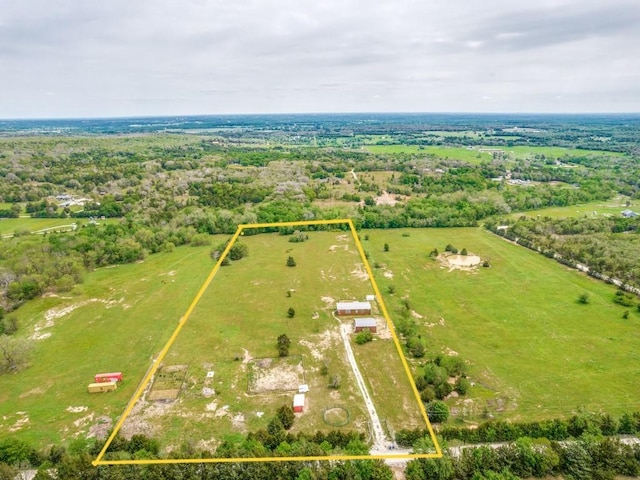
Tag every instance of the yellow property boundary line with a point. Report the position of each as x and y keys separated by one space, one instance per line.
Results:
x=99 y=459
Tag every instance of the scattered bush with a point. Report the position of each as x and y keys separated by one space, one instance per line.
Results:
x=363 y=336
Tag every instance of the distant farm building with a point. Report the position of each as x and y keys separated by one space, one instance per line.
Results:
x=370 y=298
x=629 y=214
x=353 y=308
x=102 y=387
x=108 y=377
x=298 y=402
x=359 y=324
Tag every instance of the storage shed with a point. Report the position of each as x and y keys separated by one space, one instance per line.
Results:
x=102 y=387
x=360 y=324
x=298 y=402
x=353 y=308
x=108 y=377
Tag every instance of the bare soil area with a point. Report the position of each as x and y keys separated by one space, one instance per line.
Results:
x=459 y=262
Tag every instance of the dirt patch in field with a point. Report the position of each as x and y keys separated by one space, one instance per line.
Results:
x=275 y=374
x=22 y=420
x=76 y=409
x=321 y=343
x=333 y=248
x=342 y=238
x=388 y=199
x=330 y=302
x=388 y=274
x=459 y=262
x=34 y=391
x=360 y=273
x=53 y=314
x=101 y=428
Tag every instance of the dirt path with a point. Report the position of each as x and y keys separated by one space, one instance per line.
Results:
x=355 y=177
x=380 y=442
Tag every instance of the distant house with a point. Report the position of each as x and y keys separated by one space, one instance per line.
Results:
x=353 y=308
x=370 y=298
x=629 y=214
x=360 y=324
x=108 y=377
x=298 y=402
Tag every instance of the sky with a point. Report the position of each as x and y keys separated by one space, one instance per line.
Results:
x=90 y=58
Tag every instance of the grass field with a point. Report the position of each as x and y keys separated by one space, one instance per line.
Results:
x=534 y=351
x=8 y=226
x=116 y=321
x=609 y=207
x=233 y=333
x=456 y=153
x=522 y=152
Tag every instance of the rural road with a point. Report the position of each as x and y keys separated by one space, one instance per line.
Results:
x=380 y=442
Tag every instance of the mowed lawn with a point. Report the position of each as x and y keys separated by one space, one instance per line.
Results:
x=117 y=320
x=534 y=351
x=237 y=323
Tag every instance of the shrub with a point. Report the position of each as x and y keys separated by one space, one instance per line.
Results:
x=363 y=336
x=437 y=411
x=462 y=385
x=291 y=262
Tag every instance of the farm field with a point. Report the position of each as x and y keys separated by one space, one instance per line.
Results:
x=612 y=207
x=457 y=153
x=8 y=226
x=534 y=351
x=117 y=320
x=554 y=152
x=235 y=380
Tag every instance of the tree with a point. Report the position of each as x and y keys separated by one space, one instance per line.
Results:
x=386 y=247
x=583 y=299
x=238 y=251
x=291 y=312
x=463 y=252
x=462 y=385
x=434 y=253
x=437 y=411
x=334 y=382
x=283 y=345
x=291 y=262
x=13 y=353
x=286 y=416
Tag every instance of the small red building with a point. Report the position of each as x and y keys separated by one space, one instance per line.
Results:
x=298 y=402
x=359 y=324
x=108 y=377
x=353 y=308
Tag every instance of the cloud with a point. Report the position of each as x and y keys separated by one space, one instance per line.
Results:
x=70 y=58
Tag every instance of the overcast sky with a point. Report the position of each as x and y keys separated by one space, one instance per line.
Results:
x=79 y=58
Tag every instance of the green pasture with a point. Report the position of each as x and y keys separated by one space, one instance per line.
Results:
x=453 y=153
x=237 y=323
x=612 y=207
x=534 y=351
x=8 y=226
x=524 y=152
x=117 y=320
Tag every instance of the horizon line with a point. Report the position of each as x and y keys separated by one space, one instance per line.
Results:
x=283 y=114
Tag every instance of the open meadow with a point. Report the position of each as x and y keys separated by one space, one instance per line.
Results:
x=235 y=380
x=612 y=207
x=117 y=320
x=534 y=351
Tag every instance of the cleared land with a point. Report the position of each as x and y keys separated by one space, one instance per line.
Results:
x=235 y=380
x=612 y=207
x=534 y=351
x=8 y=226
x=117 y=320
